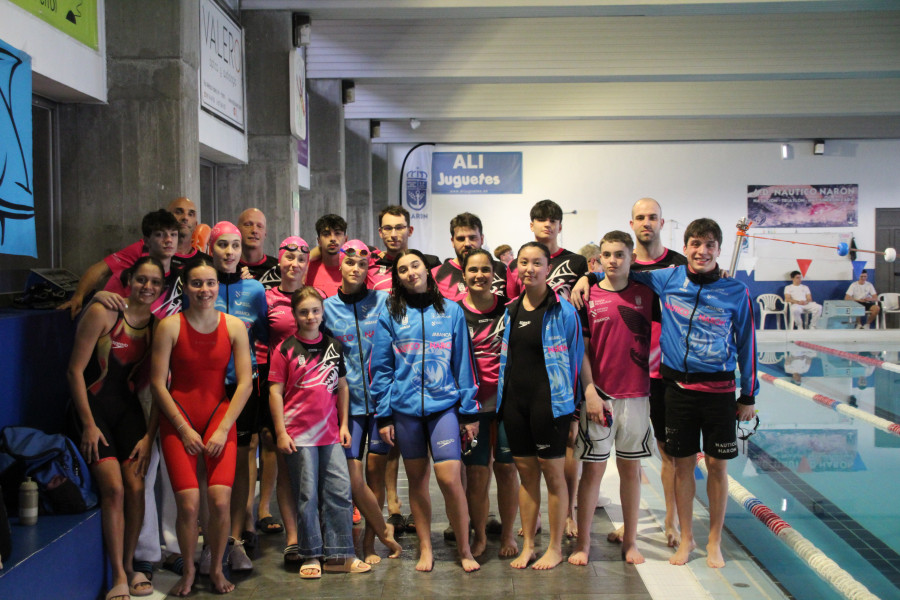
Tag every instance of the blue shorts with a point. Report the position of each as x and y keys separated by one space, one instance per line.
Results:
x=438 y=432
x=362 y=427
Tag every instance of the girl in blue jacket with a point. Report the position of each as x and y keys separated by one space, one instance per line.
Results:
x=422 y=372
x=538 y=390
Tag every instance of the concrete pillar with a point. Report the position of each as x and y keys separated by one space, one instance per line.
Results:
x=141 y=150
x=269 y=179
x=380 y=193
x=326 y=156
x=358 y=165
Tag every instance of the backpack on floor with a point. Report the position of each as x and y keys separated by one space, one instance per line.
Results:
x=53 y=461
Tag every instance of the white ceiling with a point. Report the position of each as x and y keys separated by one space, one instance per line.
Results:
x=500 y=71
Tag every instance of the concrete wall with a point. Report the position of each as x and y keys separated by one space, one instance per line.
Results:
x=358 y=164
x=269 y=179
x=138 y=152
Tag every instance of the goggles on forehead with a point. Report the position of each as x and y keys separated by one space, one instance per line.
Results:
x=295 y=248
x=351 y=252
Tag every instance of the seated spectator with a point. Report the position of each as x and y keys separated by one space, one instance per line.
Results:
x=864 y=292
x=800 y=300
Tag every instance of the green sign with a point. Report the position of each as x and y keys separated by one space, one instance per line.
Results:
x=76 y=18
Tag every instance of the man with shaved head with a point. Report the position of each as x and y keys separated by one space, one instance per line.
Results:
x=186 y=214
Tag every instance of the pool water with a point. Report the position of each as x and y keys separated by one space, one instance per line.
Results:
x=833 y=478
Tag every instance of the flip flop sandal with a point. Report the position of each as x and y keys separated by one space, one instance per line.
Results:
x=410 y=524
x=349 y=565
x=292 y=556
x=174 y=563
x=118 y=592
x=396 y=519
x=143 y=566
x=140 y=585
x=269 y=525
x=313 y=569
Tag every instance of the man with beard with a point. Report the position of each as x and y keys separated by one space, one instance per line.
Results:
x=465 y=235
x=395 y=231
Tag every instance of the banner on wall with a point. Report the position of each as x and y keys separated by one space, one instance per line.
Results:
x=75 y=18
x=833 y=205
x=299 y=106
x=221 y=65
x=17 y=233
x=477 y=172
x=416 y=190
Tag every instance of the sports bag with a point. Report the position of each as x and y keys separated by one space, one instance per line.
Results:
x=53 y=461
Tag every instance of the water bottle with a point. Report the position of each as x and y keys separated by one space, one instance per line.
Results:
x=28 y=502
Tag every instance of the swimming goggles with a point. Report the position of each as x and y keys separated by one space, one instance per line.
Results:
x=351 y=252
x=295 y=248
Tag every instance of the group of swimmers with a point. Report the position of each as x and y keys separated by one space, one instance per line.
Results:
x=353 y=352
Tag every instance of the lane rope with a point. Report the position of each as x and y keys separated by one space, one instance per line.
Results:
x=866 y=360
x=818 y=561
x=835 y=405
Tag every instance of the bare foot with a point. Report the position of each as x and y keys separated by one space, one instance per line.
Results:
x=714 y=558
x=184 y=585
x=371 y=558
x=523 y=560
x=550 y=559
x=508 y=548
x=478 y=543
x=673 y=536
x=616 y=537
x=219 y=583
x=632 y=555
x=579 y=558
x=394 y=549
x=469 y=564
x=683 y=554
x=571 y=528
x=426 y=561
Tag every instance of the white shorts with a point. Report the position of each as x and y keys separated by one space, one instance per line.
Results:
x=630 y=431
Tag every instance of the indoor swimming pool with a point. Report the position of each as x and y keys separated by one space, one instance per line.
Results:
x=831 y=476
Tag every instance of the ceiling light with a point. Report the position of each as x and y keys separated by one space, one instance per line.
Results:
x=414 y=123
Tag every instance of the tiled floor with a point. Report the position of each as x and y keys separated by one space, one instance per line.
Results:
x=606 y=576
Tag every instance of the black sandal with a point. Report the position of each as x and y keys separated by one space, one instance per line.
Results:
x=292 y=558
x=143 y=566
x=174 y=563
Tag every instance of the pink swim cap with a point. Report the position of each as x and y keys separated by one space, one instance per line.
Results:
x=293 y=244
x=355 y=248
x=222 y=228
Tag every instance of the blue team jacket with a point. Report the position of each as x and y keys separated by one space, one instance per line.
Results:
x=563 y=352
x=352 y=320
x=707 y=326
x=423 y=364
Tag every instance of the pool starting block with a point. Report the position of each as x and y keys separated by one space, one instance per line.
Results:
x=840 y=314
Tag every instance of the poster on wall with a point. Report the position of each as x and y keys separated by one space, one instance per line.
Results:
x=831 y=205
x=299 y=108
x=221 y=65
x=477 y=172
x=17 y=233
x=416 y=194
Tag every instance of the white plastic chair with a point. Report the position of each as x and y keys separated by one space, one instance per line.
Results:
x=768 y=305
x=890 y=304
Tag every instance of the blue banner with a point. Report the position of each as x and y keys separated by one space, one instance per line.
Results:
x=476 y=173
x=16 y=192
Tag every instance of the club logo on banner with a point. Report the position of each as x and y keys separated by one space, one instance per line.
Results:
x=416 y=189
x=17 y=234
x=832 y=205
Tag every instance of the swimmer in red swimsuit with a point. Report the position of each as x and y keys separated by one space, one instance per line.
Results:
x=111 y=431
x=196 y=345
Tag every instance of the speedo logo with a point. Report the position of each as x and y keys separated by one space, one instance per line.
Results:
x=444 y=443
x=118 y=345
x=542 y=446
x=524 y=323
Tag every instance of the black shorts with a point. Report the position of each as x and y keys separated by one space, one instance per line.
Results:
x=532 y=430
x=265 y=411
x=121 y=422
x=247 y=423
x=690 y=413
x=658 y=408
